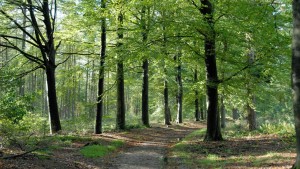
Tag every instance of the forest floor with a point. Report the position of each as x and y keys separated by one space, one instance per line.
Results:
x=168 y=147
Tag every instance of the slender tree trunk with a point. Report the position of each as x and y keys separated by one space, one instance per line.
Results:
x=120 y=81
x=213 y=132
x=166 y=103
x=235 y=114
x=296 y=76
x=100 y=98
x=52 y=98
x=179 y=88
x=22 y=85
x=222 y=109
x=145 y=90
x=145 y=95
x=202 y=107
x=167 y=111
x=251 y=115
x=197 y=112
x=251 y=98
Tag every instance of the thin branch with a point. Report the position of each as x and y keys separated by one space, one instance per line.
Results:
x=18 y=38
x=29 y=71
x=238 y=72
x=20 y=155
x=28 y=56
x=7 y=62
x=64 y=61
x=195 y=51
x=18 y=25
x=82 y=54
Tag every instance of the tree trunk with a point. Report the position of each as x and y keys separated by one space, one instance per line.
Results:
x=296 y=76
x=197 y=113
x=120 y=98
x=120 y=81
x=251 y=115
x=167 y=111
x=145 y=95
x=222 y=109
x=202 y=107
x=166 y=103
x=145 y=90
x=52 y=99
x=100 y=98
x=22 y=85
x=213 y=132
x=251 y=98
x=179 y=89
x=235 y=114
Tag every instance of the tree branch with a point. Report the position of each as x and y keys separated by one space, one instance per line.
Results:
x=28 y=56
x=18 y=25
x=18 y=38
x=238 y=72
x=20 y=155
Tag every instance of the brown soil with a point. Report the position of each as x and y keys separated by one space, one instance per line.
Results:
x=150 y=149
x=145 y=148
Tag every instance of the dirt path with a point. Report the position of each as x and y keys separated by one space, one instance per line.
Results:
x=148 y=147
x=145 y=149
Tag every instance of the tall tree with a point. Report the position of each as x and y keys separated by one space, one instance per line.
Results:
x=120 y=120
x=213 y=132
x=179 y=84
x=197 y=112
x=145 y=87
x=43 y=40
x=296 y=75
x=100 y=98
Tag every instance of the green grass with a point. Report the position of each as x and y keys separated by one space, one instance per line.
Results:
x=94 y=151
x=196 y=155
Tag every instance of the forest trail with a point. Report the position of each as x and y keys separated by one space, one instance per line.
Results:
x=148 y=148
x=145 y=148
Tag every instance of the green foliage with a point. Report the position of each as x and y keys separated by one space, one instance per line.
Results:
x=23 y=134
x=95 y=151
x=13 y=106
x=281 y=128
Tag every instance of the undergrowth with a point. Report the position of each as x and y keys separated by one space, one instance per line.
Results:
x=196 y=153
x=99 y=150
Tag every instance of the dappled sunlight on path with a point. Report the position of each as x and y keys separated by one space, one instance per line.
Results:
x=148 y=148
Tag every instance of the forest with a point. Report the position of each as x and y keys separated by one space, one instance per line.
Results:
x=149 y=84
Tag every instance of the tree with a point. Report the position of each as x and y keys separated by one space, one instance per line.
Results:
x=98 y=127
x=213 y=132
x=145 y=87
x=296 y=75
x=43 y=40
x=197 y=112
x=120 y=76
x=179 y=85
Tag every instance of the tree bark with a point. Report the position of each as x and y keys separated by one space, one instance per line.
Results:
x=179 y=88
x=167 y=111
x=222 y=109
x=100 y=98
x=197 y=112
x=52 y=99
x=213 y=132
x=145 y=87
x=296 y=76
x=166 y=103
x=251 y=97
x=120 y=120
x=202 y=107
